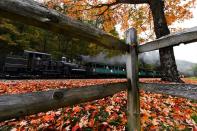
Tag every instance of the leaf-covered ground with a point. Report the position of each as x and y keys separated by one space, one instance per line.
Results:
x=158 y=112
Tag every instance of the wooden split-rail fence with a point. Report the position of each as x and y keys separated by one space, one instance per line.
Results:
x=35 y=14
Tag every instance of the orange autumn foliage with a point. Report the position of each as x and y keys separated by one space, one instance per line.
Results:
x=105 y=14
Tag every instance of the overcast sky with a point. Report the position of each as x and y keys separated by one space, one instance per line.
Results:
x=188 y=52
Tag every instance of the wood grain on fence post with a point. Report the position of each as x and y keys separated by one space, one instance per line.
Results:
x=132 y=76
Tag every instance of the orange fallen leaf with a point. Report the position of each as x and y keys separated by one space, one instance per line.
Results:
x=76 y=127
x=76 y=109
x=91 y=122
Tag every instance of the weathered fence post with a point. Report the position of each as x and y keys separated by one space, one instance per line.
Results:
x=132 y=76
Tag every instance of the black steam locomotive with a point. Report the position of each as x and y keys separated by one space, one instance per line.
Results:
x=38 y=64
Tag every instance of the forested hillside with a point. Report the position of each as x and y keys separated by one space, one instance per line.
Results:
x=16 y=37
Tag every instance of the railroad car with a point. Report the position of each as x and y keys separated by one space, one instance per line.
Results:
x=96 y=69
x=110 y=70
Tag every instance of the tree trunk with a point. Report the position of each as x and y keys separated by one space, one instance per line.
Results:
x=167 y=59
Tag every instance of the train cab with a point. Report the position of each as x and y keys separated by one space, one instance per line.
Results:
x=37 y=61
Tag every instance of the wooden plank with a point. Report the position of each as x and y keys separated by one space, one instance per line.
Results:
x=187 y=36
x=33 y=13
x=132 y=76
x=18 y=105
x=188 y=91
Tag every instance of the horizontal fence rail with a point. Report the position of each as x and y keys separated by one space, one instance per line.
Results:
x=33 y=13
x=18 y=105
x=180 y=90
x=185 y=37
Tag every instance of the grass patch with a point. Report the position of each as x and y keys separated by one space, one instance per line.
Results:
x=194 y=117
x=192 y=78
